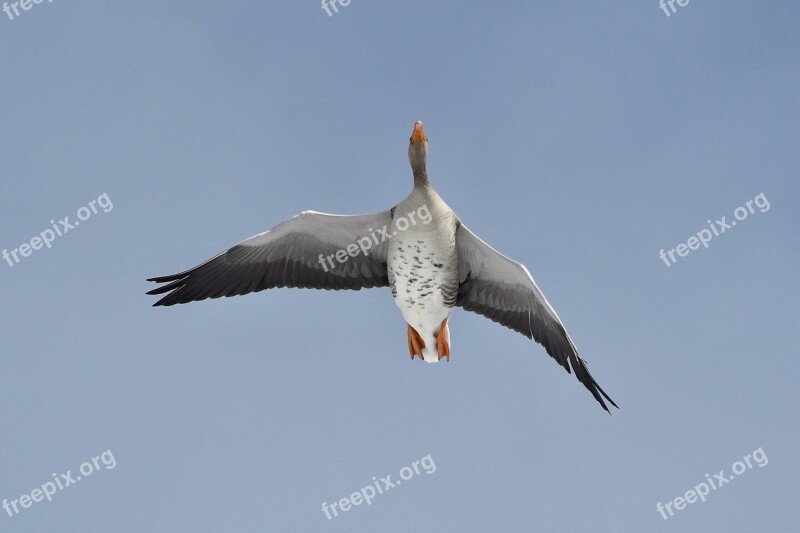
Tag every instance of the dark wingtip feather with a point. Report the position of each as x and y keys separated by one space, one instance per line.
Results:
x=177 y=281
x=164 y=279
x=167 y=288
x=585 y=377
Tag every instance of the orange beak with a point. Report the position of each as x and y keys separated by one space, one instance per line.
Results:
x=418 y=135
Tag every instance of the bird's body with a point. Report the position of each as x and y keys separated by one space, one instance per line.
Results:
x=422 y=266
x=419 y=249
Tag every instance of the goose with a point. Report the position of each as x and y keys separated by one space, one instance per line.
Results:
x=419 y=249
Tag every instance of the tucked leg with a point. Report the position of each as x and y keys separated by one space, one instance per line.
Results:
x=443 y=341
x=415 y=343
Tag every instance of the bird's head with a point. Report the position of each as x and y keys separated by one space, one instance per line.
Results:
x=418 y=150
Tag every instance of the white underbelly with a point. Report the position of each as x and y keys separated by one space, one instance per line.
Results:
x=420 y=277
x=422 y=307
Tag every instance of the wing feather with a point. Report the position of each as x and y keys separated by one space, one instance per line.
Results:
x=503 y=290
x=288 y=255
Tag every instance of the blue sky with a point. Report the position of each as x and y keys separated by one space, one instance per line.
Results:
x=579 y=138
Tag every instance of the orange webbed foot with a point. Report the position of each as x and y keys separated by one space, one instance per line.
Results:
x=443 y=341
x=415 y=343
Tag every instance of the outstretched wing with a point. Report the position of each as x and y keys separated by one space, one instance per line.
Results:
x=310 y=250
x=503 y=290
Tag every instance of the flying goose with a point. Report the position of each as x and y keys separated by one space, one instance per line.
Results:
x=419 y=248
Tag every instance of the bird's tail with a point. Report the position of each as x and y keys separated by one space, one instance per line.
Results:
x=437 y=346
x=429 y=352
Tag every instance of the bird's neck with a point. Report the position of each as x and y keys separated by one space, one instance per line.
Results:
x=420 y=177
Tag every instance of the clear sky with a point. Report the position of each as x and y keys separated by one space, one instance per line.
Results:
x=579 y=138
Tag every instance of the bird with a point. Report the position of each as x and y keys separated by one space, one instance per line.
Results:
x=419 y=248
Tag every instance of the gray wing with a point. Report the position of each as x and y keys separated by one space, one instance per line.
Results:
x=503 y=290
x=295 y=253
